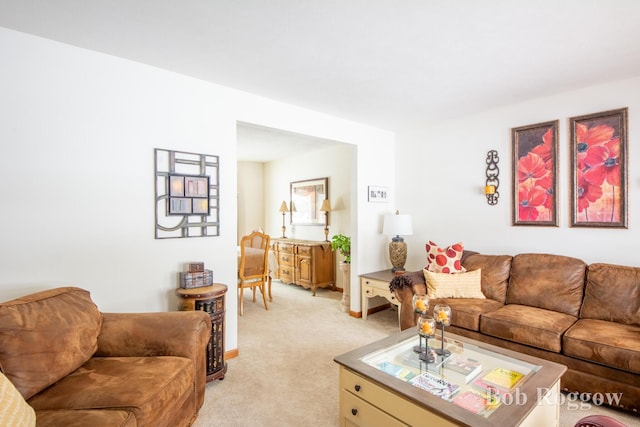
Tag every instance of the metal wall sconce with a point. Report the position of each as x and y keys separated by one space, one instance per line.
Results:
x=492 y=183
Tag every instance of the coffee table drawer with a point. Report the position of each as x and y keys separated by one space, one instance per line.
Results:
x=394 y=404
x=357 y=412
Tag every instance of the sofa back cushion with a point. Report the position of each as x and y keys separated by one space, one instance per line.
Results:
x=47 y=335
x=552 y=282
x=495 y=273
x=612 y=293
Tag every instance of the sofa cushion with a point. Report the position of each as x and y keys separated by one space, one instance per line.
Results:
x=459 y=285
x=612 y=293
x=604 y=342
x=495 y=273
x=153 y=388
x=444 y=260
x=84 y=418
x=47 y=335
x=14 y=411
x=531 y=326
x=466 y=312
x=552 y=282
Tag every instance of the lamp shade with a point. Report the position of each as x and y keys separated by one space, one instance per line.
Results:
x=397 y=225
x=326 y=206
x=283 y=207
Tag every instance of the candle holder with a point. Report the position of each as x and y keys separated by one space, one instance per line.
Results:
x=442 y=313
x=420 y=304
x=426 y=329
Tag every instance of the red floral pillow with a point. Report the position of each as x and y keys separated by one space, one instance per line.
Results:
x=445 y=260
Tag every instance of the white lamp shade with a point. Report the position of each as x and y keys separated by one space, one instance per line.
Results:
x=397 y=225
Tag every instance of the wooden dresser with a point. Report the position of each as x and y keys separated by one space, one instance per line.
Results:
x=306 y=263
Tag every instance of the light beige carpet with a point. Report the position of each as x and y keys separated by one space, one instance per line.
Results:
x=285 y=374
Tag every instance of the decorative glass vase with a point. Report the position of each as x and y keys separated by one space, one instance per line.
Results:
x=442 y=314
x=426 y=329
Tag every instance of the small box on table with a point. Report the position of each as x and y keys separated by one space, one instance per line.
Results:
x=196 y=279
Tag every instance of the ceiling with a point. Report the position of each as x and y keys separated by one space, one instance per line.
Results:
x=387 y=63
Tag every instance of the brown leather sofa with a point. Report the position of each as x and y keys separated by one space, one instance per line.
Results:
x=586 y=317
x=77 y=366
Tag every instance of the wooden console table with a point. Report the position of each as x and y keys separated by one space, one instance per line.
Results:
x=306 y=263
x=209 y=299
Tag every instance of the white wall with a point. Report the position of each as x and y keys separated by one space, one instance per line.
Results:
x=335 y=163
x=77 y=132
x=441 y=174
x=250 y=197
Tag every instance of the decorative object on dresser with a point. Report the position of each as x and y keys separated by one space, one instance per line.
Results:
x=326 y=208
x=211 y=300
x=397 y=225
x=283 y=209
x=306 y=263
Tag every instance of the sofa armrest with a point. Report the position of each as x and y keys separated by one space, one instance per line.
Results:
x=174 y=333
x=405 y=296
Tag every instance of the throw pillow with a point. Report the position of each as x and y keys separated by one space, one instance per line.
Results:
x=459 y=285
x=14 y=411
x=445 y=260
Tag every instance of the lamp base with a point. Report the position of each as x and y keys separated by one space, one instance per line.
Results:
x=397 y=254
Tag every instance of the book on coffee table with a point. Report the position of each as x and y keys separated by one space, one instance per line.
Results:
x=462 y=368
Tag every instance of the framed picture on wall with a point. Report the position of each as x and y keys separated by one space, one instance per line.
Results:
x=535 y=170
x=599 y=169
x=306 y=200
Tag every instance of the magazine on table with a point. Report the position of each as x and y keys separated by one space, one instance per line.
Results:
x=435 y=385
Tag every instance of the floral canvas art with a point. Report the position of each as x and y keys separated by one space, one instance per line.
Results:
x=534 y=174
x=598 y=166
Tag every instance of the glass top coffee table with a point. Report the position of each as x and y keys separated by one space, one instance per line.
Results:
x=389 y=383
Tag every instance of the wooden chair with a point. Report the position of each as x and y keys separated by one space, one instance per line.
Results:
x=253 y=271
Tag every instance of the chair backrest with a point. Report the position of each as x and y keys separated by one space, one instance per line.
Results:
x=254 y=255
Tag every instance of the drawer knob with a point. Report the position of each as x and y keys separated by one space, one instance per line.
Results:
x=354 y=411
x=357 y=387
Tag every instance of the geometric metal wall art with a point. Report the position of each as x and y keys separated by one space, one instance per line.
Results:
x=187 y=194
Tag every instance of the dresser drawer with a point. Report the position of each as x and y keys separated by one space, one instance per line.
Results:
x=286 y=247
x=285 y=274
x=356 y=412
x=304 y=250
x=286 y=260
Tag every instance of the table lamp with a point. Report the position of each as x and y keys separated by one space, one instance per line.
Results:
x=284 y=209
x=326 y=208
x=397 y=225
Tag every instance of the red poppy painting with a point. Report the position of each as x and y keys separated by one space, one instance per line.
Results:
x=534 y=174
x=599 y=171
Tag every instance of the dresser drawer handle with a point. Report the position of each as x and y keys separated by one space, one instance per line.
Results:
x=367 y=291
x=354 y=411
x=357 y=387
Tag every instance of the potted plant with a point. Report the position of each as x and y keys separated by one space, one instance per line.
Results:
x=342 y=243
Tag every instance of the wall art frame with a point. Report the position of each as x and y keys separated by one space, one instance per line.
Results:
x=377 y=194
x=598 y=145
x=534 y=173
x=187 y=194
x=306 y=200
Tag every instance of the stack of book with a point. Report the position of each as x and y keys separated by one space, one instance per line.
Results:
x=435 y=385
x=462 y=368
